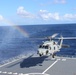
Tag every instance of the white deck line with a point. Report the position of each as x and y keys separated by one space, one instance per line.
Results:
x=36 y=74
x=12 y=61
x=50 y=67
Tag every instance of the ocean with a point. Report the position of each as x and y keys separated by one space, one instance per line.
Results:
x=15 y=42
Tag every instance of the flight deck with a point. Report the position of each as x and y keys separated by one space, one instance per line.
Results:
x=35 y=65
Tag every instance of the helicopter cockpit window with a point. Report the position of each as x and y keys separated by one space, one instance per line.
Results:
x=46 y=47
x=43 y=46
x=40 y=46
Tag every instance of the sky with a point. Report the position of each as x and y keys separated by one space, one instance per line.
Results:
x=32 y=12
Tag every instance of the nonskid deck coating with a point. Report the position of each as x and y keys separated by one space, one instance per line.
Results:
x=40 y=66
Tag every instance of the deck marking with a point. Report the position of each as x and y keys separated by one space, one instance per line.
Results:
x=4 y=72
x=0 y=71
x=50 y=67
x=36 y=74
x=21 y=74
x=63 y=59
x=8 y=63
x=71 y=58
x=9 y=73
x=12 y=61
x=15 y=73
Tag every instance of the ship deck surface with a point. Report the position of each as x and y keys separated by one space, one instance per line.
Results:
x=40 y=66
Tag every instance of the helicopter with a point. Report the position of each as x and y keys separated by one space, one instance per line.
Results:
x=52 y=45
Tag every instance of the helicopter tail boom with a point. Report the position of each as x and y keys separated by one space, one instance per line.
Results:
x=61 y=41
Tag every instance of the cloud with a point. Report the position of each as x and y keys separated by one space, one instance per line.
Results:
x=1 y=17
x=53 y=2
x=23 y=13
x=59 y=1
x=45 y=15
x=69 y=17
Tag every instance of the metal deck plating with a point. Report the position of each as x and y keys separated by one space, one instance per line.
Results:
x=40 y=66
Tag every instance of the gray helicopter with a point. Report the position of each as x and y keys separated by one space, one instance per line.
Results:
x=52 y=45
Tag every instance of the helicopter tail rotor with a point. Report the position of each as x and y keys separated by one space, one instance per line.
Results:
x=54 y=35
x=61 y=41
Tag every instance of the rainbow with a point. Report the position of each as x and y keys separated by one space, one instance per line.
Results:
x=21 y=30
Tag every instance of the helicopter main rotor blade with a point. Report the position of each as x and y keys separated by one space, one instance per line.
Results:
x=43 y=38
x=67 y=38
x=38 y=38
x=54 y=35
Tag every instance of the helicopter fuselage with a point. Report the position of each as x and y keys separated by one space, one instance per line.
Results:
x=48 y=48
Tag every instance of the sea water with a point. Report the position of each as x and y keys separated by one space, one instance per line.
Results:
x=14 y=43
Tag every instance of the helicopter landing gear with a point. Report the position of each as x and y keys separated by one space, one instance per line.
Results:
x=40 y=55
x=53 y=55
x=46 y=52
